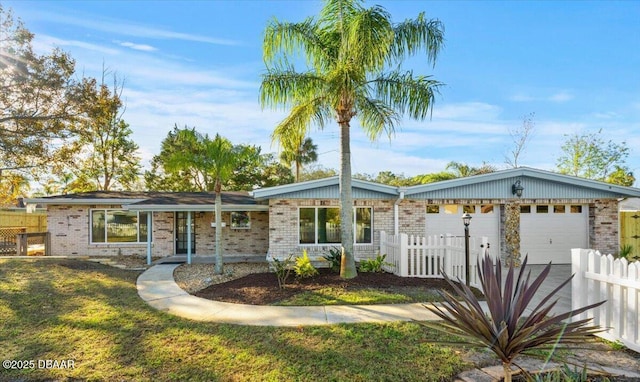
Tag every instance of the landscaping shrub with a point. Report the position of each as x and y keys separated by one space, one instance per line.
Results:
x=373 y=265
x=626 y=252
x=303 y=267
x=282 y=269
x=567 y=374
x=335 y=258
x=506 y=330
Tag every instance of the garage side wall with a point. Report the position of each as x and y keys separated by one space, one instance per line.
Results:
x=412 y=217
x=603 y=226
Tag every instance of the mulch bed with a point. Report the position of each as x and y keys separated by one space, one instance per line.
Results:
x=262 y=288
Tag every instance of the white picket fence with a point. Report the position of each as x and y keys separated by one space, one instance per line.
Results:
x=599 y=277
x=416 y=256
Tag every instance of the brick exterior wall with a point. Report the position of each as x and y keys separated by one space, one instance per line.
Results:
x=604 y=226
x=412 y=219
x=163 y=243
x=253 y=241
x=70 y=234
x=277 y=231
x=284 y=229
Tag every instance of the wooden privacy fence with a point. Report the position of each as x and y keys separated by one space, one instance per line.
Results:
x=416 y=256
x=598 y=277
x=32 y=222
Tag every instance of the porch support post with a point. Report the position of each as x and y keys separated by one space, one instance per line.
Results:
x=188 y=237
x=149 y=230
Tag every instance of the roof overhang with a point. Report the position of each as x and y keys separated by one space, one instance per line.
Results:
x=573 y=181
x=80 y=201
x=195 y=207
x=274 y=192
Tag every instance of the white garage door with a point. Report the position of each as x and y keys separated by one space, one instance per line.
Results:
x=447 y=219
x=548 y=232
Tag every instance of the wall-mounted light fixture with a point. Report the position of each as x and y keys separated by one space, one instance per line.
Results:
x=516 y=188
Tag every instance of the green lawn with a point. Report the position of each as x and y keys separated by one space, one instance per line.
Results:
x=339 y=296
x=94 y=317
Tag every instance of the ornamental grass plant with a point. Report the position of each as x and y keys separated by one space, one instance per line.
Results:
x=511 y=324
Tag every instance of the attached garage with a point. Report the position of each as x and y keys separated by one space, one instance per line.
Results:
x=548 y=232
x=556 y=212
x=446 y=219
x=521 y=211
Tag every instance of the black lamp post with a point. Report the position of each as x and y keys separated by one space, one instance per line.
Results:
x=466 y=219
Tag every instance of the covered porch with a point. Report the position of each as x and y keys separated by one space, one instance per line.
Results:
x=191 y=221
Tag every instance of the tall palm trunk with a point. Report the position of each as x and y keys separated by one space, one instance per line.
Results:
x=348 y=266
x=218 y=190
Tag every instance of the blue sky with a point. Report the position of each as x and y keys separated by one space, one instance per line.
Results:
x=575 y=64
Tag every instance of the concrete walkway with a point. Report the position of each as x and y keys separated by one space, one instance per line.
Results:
x=157 y=287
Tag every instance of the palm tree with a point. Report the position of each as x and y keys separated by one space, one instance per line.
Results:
x=215 y=160
x=354 y=56
x=299 y=150
x=462 y=170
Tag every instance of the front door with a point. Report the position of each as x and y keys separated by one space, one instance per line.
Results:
x=182 y=235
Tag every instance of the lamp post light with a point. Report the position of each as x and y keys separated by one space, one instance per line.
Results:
x=466 y=219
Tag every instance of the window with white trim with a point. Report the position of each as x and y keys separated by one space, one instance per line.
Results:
x=240 y=220
x=118 y=226
x=321 y=225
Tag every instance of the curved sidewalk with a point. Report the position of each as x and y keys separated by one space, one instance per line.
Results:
x=157 y=288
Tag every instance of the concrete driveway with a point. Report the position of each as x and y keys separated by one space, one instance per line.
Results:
x=558 y=274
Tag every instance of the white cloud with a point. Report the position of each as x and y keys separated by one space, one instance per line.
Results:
x=410 y=165
x=557 y=97
x=142 y=47
x=120 y=27
x=148 y=72
x=605 y=115
x=562 y=96
x=466 y=110
x=45 y=43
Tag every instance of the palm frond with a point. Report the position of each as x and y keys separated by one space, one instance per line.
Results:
x=406 y=93
x=283 y=88
x=282 y=39
x=221 y=157
x=337 y=13
x=412 y=36
x=376 y=117
x=369 y=38
x=300 y=119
